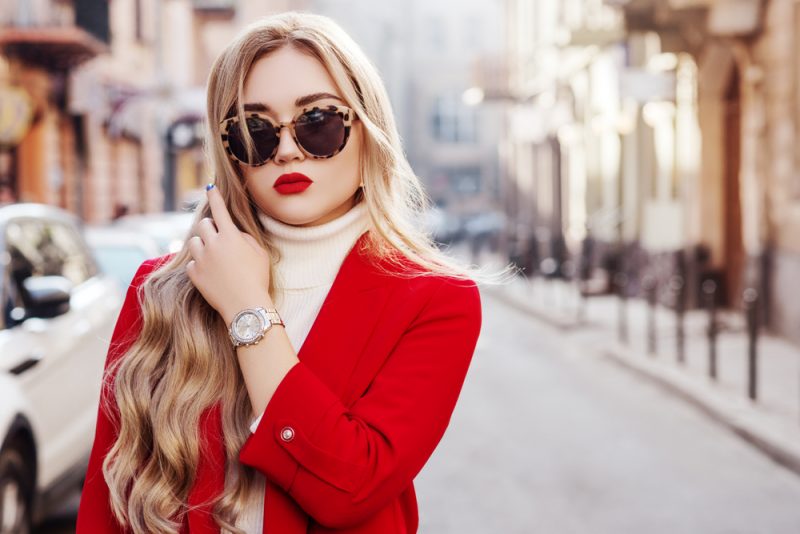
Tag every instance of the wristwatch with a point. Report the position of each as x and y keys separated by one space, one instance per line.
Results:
x=250 y=325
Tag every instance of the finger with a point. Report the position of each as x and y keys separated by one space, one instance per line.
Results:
x=206 y=229
x=219 y=211
x=195 y=246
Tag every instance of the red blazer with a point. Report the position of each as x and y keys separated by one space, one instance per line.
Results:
x=378 y=379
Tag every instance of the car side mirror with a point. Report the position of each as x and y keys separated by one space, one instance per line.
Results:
x=49 y=296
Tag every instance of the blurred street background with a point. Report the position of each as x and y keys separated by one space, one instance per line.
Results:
x=637 y=160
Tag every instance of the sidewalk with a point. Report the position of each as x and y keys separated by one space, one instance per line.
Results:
x=771 y=423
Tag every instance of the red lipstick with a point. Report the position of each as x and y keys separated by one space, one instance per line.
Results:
x=291 y=183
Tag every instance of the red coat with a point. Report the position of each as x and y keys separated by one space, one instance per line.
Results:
x=378 y=379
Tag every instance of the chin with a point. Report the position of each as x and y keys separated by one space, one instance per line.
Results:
x=296 y=217
x=300 y=222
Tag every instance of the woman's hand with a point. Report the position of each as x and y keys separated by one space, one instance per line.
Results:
x=228 y=267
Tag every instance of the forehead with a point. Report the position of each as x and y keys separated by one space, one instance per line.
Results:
x=280 y=77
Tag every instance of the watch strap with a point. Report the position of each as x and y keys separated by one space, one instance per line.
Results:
x=272 y=315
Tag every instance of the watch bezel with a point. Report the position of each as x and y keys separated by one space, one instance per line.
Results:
x=262 y=326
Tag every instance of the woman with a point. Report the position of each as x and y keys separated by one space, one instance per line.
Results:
x=223 y=408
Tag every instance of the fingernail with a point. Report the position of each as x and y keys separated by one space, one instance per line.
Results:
x=209 y=186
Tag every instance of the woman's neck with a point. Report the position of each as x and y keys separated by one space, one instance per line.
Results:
x=310 y=256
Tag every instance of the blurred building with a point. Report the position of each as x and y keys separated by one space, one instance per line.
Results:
x=660 y=139
x=748 y=94
x=451 y=136
x=42 y=43
x=567 y=173
x=602 y=146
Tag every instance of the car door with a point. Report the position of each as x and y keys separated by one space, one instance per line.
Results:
x=63 y=378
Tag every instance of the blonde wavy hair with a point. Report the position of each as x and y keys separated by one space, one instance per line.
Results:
x=182 y=362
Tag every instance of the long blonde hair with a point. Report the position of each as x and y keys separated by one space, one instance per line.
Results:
x=182 y=363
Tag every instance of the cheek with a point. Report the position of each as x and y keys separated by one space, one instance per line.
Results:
x=256 y=179
x=348 y=174
x=352 y=153
x=341 y=172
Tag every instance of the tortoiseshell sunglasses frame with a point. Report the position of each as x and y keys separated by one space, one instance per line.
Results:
x=347 y=114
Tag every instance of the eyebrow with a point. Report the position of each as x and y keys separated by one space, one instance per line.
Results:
x=302 y=101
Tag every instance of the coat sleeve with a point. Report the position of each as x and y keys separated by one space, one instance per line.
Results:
x=94 y=510
x=342 y=465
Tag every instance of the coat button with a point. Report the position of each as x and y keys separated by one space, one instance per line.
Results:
x=287 y=434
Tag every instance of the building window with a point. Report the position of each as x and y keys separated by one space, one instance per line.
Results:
x=453 y=121
x=92 y=16
x=214 y=5
x=465 y=181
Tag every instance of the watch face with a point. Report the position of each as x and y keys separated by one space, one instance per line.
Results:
x=248 y=326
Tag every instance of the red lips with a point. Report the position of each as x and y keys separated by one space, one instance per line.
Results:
x=291 y=183
x=291 y=178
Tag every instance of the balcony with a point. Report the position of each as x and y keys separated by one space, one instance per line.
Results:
x=54 y=49
x=54 y=35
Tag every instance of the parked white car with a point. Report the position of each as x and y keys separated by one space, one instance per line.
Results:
x=57 y=315
x=169 y=229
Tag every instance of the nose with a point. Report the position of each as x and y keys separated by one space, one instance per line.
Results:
x=287 y=148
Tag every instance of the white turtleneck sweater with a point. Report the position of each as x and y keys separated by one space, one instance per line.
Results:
x=310 y=258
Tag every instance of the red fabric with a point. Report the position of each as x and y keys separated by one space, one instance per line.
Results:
x=379 y=376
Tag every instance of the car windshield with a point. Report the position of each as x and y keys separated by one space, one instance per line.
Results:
x=120 y=262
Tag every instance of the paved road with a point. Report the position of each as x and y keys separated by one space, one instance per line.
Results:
x=547 y=439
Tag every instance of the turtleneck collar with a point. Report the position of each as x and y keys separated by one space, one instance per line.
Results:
x=310 y=256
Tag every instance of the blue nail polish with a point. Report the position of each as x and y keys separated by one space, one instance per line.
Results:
x=209 y=186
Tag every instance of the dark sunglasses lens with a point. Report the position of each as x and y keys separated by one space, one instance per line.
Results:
x=321 y=131
x=264 y=140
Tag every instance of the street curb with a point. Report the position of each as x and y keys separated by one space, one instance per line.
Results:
x=742 y=417
x=738 y=414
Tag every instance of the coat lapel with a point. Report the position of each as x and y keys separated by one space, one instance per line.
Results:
x=332 y=349
x=346 y=319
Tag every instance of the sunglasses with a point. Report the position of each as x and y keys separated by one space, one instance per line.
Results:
x=320 y=132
